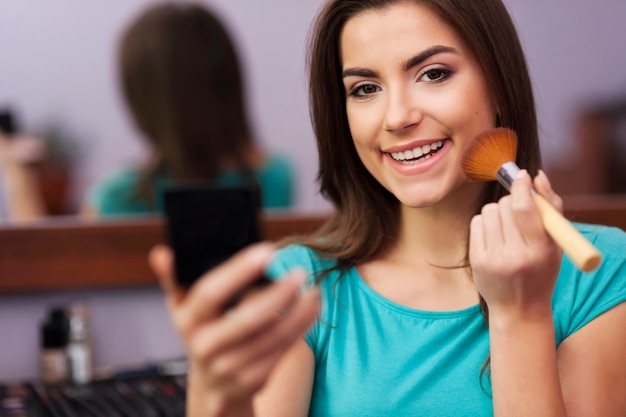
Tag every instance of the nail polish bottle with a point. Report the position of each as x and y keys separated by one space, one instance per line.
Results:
x=53 y=365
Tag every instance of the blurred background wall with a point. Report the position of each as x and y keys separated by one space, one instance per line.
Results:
x=58 y=66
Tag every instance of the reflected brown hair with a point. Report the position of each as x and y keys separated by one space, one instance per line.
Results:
x=182 y=81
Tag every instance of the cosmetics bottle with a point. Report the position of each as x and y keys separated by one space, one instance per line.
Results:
x=53 y=365
x=79 y=348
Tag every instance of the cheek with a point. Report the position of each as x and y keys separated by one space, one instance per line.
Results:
x=364 y=136
x=472 y=116
x=363 y=126
x=473 y=106
x=483 y=111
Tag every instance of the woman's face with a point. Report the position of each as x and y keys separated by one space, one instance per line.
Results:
x=415 y=99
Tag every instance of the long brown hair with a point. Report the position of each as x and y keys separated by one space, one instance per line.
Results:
x=182 y=82
x=366 y=218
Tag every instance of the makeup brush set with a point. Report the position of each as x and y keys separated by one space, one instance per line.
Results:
x=145 y=396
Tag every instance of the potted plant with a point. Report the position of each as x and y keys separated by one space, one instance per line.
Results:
x=56 y=169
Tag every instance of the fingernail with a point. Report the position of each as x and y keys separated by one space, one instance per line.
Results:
x=521 y=174
x=545 y=182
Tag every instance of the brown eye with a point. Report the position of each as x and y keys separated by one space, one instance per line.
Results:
x=369 y=89
x=365 y=90
x=435 y=75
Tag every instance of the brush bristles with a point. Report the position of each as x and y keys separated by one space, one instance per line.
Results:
x=488 y=152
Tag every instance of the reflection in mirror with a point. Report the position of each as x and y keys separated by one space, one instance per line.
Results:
x=92 y=105
x=182 y=82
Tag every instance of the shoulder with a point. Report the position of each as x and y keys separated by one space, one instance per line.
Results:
x=276 y=165
x=278 y=160
x=276 y=177
x=113 y=182
x=610 y=242
x=579 y=297
x=610 y=239
x=297 y=256
x=117 y=178
x=116 y=193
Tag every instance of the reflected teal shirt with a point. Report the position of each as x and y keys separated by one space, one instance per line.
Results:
x=116 y=194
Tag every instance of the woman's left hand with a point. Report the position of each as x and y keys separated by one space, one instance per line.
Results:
x=514 y=261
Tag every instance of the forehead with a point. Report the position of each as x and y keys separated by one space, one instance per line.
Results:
x=395 y=32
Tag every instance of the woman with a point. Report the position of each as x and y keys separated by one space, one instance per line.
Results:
x=439 y=296
x=182 y=81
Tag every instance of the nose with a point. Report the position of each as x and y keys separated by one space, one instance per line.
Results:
x=402 y=111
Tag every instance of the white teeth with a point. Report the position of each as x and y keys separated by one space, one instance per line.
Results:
x=421 y=153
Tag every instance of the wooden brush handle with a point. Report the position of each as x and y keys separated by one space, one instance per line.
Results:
x=582 y=253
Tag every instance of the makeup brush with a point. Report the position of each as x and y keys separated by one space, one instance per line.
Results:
x=491 y=157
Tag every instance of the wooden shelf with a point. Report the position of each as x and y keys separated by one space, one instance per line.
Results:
x=69 y=253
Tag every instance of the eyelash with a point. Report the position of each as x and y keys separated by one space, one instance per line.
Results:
x=357 y=91
x=442 y=74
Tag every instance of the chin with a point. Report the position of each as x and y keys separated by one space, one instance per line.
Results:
x=419 y=201
x=421 y=195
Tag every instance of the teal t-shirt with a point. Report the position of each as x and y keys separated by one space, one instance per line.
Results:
x=375 y=358
x=116 y=193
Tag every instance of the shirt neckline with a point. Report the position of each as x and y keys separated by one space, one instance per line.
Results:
x=353 y=274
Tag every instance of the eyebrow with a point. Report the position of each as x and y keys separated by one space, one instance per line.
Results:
x=412 y=62
x=435 y=50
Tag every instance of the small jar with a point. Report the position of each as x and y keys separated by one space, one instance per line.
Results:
x=79 y=348
x=53 y=364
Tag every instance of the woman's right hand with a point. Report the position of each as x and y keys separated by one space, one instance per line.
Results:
x=232 y=353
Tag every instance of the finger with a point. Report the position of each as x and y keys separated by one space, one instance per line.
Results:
x=272 y=342
x=543 y=187
x=161 y=262
x=250 y=318
x=525 y=212
x=492 y=227
x=301 y=319
x=510 y=224
x=477 y=245
x=208 y=296
x=283 y=331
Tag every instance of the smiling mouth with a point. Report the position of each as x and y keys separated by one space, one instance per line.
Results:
x=416 y=155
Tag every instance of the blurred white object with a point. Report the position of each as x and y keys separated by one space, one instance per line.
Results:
x=20 y=194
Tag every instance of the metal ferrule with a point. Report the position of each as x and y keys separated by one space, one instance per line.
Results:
x=506 y=174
